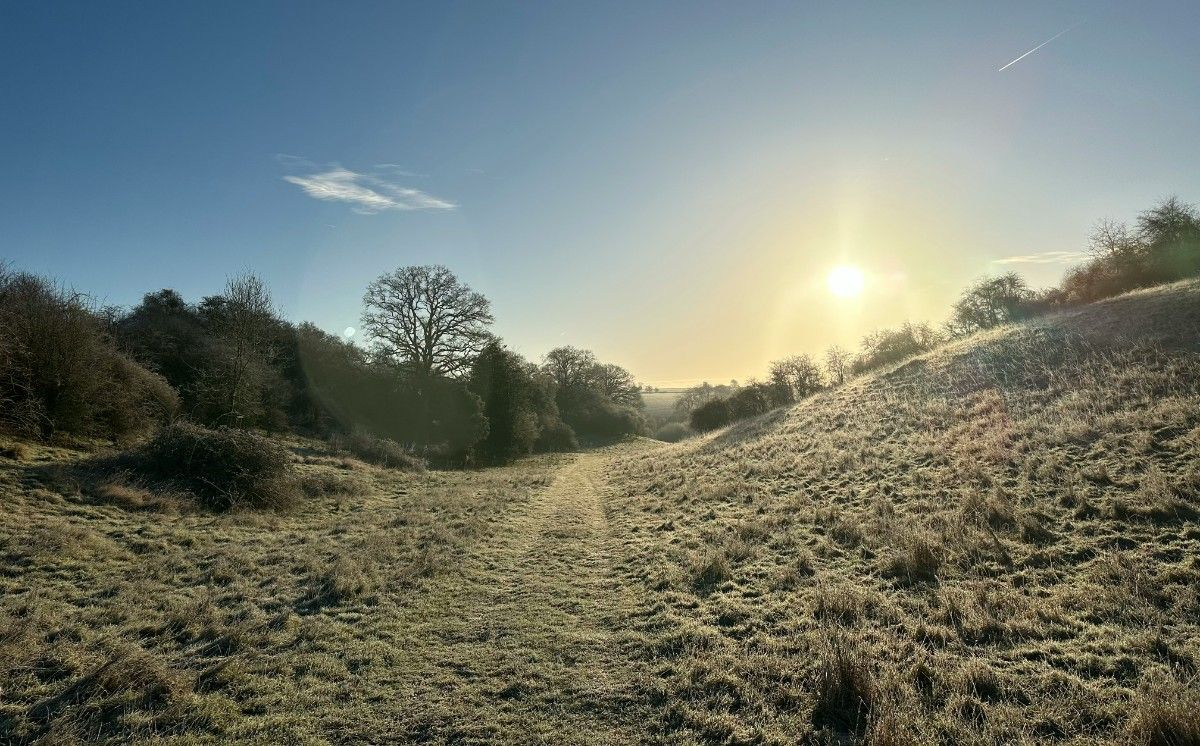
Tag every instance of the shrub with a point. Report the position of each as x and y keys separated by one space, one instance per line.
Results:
x=992 y=302
x=692 y=398
x=378 y=451
x=889 y=346
x=673 y=432
x=60 y=370
x=594 y=416
x=794 y=378
x=711 y=415
x=223 y=468
x=241 y=382
x=505 y=385
x=750 y=401
x=136 y=399
x=1163 y=247
x=442 y=413
x=599 y=402
x=556 y=436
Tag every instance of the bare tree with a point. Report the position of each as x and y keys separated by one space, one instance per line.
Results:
x=837 y=364
x=242 y=319
x=617 y=384
x=569 y=366
x=991 y=302
x=1110 y=238
x=697 y=396
x=426 y=318
x=796 y=377
x=1169 y=221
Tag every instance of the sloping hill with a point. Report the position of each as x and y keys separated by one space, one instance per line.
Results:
x=995 y=543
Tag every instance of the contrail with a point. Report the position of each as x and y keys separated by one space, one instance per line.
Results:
x=1039 y=46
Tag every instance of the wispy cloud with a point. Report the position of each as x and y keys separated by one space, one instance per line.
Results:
x=1046 y=257
x=1039 y=46
x=368 y=193
x=397 y=170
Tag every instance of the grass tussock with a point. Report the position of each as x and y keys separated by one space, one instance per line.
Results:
x=224 y=468
x=321 y=483
x=845 y=688
x=709 y=570
x=131 y=496
x=376 y=450
x=1167 y=713
x=917 y=560
x=15 y=451
x=340 y=581
x=129 y=691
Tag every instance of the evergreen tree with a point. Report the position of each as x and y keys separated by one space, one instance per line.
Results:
x=501 y=380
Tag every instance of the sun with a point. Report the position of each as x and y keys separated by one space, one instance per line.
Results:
x=845 y=281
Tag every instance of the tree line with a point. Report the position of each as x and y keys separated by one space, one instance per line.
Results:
x=434 y=380
x=1163 y=245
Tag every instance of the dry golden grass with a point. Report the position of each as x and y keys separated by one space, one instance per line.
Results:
x=996 y=543
x=379 y=609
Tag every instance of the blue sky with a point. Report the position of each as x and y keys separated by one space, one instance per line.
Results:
x=664 y=183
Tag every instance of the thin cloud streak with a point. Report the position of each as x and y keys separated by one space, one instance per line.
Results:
x=1046 y=257
x=368 y=193
x=1039 y=46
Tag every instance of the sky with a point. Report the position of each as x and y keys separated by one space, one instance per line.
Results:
x=667 y=184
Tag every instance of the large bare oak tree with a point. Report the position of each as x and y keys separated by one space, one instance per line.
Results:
x=426 y=318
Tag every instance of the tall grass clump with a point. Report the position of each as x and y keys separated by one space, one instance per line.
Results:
x=917 y=560
x=845 y=687
x=376 y=450
x=1167 y=714
x=129 y=696
x=224 y=468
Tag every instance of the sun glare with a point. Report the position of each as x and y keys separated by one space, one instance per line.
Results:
x=845 y=281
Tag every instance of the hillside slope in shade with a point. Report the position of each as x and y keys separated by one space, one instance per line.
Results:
x=995 y=543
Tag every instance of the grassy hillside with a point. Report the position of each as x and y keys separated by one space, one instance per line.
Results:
x=996 y=543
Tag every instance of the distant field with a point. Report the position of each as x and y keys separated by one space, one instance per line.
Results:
x=660 y=405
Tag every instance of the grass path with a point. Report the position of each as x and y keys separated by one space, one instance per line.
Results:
x=524 y=645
